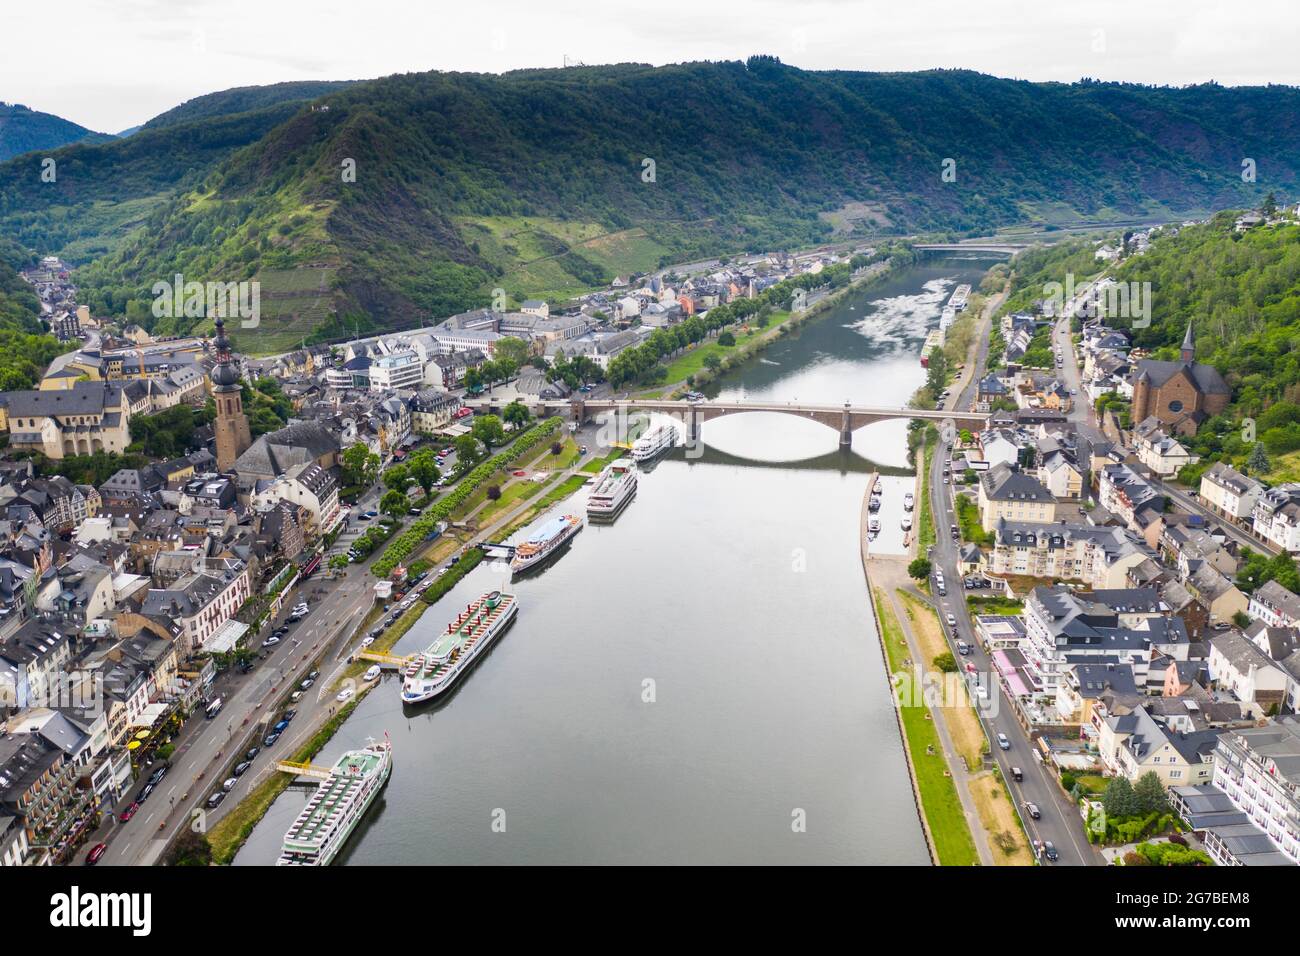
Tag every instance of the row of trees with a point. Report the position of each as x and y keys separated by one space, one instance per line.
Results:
x=642 y=364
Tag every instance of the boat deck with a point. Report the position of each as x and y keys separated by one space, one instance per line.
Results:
x=330 y=799
x=460 y=635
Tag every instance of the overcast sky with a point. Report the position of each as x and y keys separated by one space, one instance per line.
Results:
x=111 y=64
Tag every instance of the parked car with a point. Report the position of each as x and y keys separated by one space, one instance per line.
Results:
x=306 y=683
x=1033 y=811
x=280 y=728
x=296 y=696
x=1049 y=851
x=344 y=694
x=242 y=767
x=96 y=853
x=155 y=778
x=270 y=739
x=229 y=784
x=289 y=715
x=128 y=813
x=216 y=798
x=271 y=641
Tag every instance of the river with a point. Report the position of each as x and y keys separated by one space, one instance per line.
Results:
x=699 y=682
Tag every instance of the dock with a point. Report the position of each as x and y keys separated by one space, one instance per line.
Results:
x=303 y=769
x=385 y=660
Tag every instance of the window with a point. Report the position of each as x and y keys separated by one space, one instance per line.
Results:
x=1175 y=406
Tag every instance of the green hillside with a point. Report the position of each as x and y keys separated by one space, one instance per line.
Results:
x=24 y=351
x=243 y=99
x=536 y=181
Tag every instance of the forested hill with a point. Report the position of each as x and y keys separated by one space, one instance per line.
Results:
x=243 y=99
x=546 y=182
x=23 y=130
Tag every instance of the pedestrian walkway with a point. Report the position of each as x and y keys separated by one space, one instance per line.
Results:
x=889 y=574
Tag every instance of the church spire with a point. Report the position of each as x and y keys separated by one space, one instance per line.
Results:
x=1188 y=350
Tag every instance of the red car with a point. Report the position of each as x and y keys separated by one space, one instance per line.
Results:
x=519 y=474
x=128 y=813
x=96 y=853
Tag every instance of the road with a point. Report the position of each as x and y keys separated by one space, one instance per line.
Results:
x=206 y=749
x=1060 y=822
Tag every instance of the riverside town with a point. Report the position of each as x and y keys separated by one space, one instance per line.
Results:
x=793 y=438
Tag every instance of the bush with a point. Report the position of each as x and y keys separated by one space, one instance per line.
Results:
x=919 y=569
x=494 y=492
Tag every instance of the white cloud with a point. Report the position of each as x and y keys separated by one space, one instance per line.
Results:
x=109 y=64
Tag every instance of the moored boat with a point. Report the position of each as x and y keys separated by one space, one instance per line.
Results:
x=614 y=488
x=654 y=442
x=545 y=542
x=434 y=671
x=337 y=806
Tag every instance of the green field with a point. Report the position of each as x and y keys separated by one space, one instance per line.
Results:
x=939 y=800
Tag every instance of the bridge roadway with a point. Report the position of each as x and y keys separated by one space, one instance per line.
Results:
x=845 y=419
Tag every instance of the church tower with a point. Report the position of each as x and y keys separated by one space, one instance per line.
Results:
x=231 y=425
x=1188 y=351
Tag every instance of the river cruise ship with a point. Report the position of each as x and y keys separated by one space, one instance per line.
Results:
x=613 y=489
x=544 y=543
x=461 y=643
x=337 y=806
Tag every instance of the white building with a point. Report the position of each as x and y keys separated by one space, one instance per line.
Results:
x=401 y=369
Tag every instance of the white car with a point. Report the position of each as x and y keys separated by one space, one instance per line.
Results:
x=367 y=642
x=372 y=673
x=981 y=692
x=344 y=694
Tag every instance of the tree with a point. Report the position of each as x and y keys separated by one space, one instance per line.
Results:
x=946 y=663
x=467 y=449
x=1258 y=463
x=712 y=362
x=339 y=562
x=394 y=503
x=423 y=468
x=1150 y=794
x=516 y=413
x=191 y=849
x=726 y=340
x=397 y=478
x=1119 y=800
x=489 y=430
x=513 y=349
x=360 y=466
x=919 y=569
x=494 y=492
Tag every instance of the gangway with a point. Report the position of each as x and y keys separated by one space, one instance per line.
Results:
x=384 y=659
x=303 y=769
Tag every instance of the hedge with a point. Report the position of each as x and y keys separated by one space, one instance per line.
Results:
x=410 y=539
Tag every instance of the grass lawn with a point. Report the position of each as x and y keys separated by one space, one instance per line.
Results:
x=596 y=465
x=925 y=530
x=691 y=362
x=994 y=605
x=943 y=811
x=968 y=519
x=963 y=724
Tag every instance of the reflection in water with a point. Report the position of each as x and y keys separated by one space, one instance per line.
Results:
x=684 y=680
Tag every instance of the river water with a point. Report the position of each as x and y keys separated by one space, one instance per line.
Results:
x=699 y=682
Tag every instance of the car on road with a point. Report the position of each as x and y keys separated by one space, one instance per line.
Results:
x=96 y=853
x=280 y=728
x=229 y=784
x=372 y=514
x=1049 y=851
x=1004 y=742
x=344 y=694
x=952 y=620
x=242 y=767
x=156 y=777
x=1017 y=775
x=1033 y=811
x=216 y=799
x=270 y=739
x=372 y=673
x=128 y=813
x=143 y=795
x=296 y=696
x=289 y=715
x=363 y=517
x=963 y=647
x=981 y=692
x=271 y=641
x=306 y=683
x=252 y=753
x=367 y=641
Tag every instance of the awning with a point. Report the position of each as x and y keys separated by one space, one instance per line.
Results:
x=1017 y=685
x=225 y=638
x=150 y=716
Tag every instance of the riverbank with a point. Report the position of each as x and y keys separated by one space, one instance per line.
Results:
x=689 y=369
